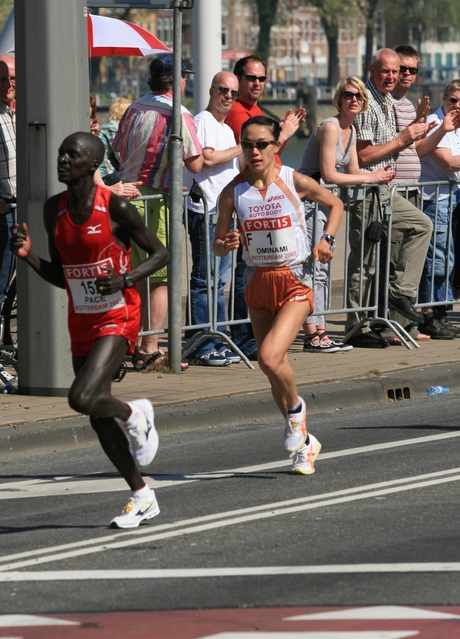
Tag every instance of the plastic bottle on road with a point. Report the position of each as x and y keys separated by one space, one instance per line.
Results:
x=436 y=390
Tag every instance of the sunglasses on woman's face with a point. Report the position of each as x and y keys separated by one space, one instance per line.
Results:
x=349 y=95
x=261 y=145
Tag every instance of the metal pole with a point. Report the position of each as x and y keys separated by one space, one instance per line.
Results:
x=51 y=46
x=175 y=216
x=207 y=49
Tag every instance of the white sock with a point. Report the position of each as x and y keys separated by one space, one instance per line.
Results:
x=142 y=493
x=135 y=415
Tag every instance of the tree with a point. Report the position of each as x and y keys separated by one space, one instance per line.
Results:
x=5 y=9
x=330 y=12
x=267 y=14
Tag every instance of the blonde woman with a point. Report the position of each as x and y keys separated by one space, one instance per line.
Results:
x=110 y=163
x=330 y=156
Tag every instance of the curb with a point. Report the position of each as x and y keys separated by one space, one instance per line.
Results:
x=229 y=410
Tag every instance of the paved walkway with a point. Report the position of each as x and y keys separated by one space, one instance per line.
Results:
x=436 y=361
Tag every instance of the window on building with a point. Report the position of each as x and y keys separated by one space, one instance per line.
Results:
x=225 y=7
x=458 y=60
x=350 y=62
x=165 y=30
x=428 y=59
x=437 y=59
x=224 y=37
x=449 y=60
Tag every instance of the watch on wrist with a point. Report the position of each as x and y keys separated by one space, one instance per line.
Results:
x=330 y=239
x=128 y=281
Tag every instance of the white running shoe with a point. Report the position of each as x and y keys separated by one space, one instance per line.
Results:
x=295 y=433
x=143 y=434
x=136 y=511
x=304 y=460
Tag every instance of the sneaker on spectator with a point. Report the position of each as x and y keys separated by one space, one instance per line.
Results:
x=233 y=357
x=295 y=432
x=303 y=461
x=433 y=327
x=142 y=433
x=211 y=358
x=136 y=511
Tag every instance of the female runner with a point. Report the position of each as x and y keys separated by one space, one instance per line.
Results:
x=267 y=199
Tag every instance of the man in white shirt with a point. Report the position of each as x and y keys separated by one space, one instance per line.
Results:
x=220 y=152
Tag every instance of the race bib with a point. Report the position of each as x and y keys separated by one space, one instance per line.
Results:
x=270 y=239
x=81 y=279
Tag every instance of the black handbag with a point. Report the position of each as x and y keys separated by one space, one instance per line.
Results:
x=374 y=230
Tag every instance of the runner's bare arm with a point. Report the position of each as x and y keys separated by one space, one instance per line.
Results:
x=21 y=245
x=225 y=240
x=129 y=225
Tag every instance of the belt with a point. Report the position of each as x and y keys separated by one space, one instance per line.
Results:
x=9 y=200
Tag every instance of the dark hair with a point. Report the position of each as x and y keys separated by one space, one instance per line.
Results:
x=93 y=145
x=263 y=120
x=160 y=83
x=407 y=51
x=242 y=62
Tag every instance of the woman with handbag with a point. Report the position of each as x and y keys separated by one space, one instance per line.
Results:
x=330 y=156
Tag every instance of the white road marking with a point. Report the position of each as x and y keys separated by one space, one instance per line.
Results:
x=374 y=612
x=19 y=621
x=225 y=519
x=89 y=484
x=366 y=634
x=264 y=571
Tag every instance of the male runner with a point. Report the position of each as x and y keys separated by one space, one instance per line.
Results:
x=90 y=231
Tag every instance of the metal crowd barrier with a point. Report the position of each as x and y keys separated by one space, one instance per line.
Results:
x=377 y=309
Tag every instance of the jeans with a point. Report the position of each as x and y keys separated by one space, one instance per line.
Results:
x=242 y=334
x=199 y=300
x=7 y=258
x=438 y=273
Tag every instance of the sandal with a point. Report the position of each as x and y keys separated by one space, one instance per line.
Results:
x=142 y=360
x=322 y=346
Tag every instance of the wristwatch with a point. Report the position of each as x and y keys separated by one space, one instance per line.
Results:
x=330 y=239
x=128 y=280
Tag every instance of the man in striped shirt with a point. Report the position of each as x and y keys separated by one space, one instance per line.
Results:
x=7 y=168
x=143 y=141
x=378 y=145
x=408 y=167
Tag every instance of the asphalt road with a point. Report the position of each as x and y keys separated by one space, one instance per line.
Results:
x=378 y=523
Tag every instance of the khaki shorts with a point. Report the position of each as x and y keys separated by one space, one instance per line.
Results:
x=157 y=221
x=269 y=289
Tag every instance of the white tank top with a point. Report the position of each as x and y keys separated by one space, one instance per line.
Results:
x=271 y=222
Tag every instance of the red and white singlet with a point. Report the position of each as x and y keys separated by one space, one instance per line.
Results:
x=84 y=250
x=271 y=222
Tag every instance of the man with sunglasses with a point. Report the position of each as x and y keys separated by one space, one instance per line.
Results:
x=378 y=145
x=408 y=167
x=220 y=166
x=252 y=75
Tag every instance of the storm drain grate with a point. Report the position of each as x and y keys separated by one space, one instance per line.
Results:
x=397 y=393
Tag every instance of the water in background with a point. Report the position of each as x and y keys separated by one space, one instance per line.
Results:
x=292 y=154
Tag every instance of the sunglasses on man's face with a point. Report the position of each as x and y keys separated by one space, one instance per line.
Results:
x=261 y=145
x=253 y=78
x=454 y=100
x=225 y=91
x=412 y=70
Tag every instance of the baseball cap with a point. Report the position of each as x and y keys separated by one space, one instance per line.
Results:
x=163 y=65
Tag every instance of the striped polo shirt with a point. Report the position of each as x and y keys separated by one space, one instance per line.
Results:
x=143 y=140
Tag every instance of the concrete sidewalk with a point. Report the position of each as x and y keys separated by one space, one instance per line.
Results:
x=353 y=377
